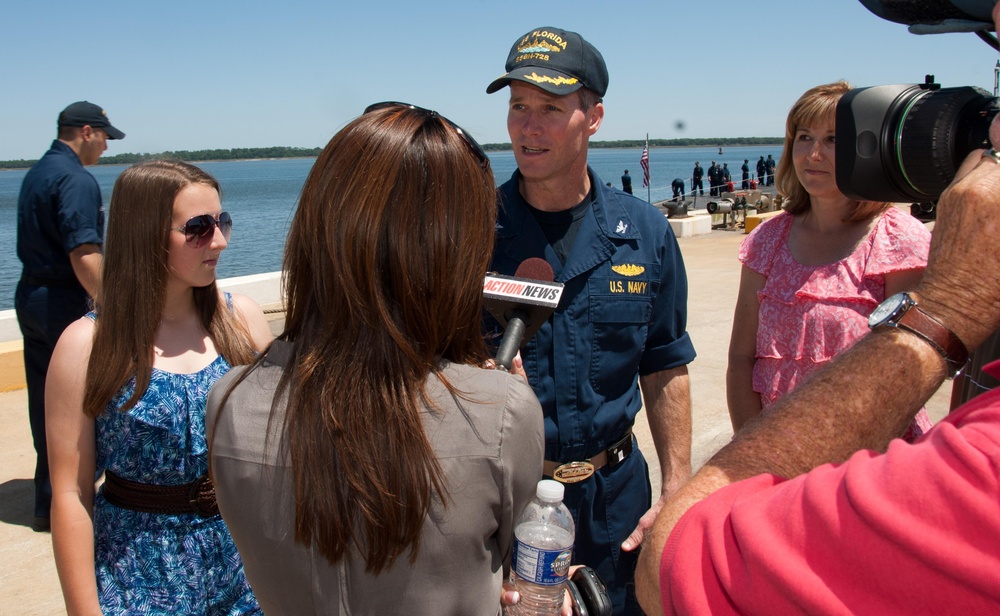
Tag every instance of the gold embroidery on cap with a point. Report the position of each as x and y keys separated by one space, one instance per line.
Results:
x=537 y=46
x=544 y=34
x=558 y=81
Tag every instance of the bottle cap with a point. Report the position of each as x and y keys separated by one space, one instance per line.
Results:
x=550 y=491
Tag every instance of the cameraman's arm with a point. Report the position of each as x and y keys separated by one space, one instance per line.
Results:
x=861 y=400
x=961 y=286
x=866 y=396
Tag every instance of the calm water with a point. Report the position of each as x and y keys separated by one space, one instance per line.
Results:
x=261 y=195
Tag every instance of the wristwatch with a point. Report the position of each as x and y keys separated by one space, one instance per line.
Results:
x=903 y=311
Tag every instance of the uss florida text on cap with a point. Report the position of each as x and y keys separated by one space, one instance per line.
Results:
x=555 y=60
x=82 y=113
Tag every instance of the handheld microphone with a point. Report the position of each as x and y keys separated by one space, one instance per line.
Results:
x=521 y=303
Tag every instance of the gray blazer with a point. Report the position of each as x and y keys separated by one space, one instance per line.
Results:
x=490 y=452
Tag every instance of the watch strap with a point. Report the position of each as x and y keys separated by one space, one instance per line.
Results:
x=944 y=341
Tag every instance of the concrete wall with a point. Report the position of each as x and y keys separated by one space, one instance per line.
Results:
x=265 y=289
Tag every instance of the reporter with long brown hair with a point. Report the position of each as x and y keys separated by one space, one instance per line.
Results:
x=126 y=393
x=368 y=463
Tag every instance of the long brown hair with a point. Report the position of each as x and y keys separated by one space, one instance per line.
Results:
x=816 y=106
x=384 y=267
x=134 y=276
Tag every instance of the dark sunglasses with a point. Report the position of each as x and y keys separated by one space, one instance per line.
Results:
x=473 y=145
x=199 y=230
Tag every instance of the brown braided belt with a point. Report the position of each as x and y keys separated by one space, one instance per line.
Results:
x=197 y=497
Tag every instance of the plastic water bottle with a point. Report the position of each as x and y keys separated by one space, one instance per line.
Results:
x=543 y=550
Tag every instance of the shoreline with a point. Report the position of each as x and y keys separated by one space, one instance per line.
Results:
x=213 y=160
x=488 y=148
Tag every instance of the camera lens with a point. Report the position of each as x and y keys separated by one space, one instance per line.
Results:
x=904 y=143
x=950 y=124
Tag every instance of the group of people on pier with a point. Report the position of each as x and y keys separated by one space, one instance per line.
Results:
x=720 y=178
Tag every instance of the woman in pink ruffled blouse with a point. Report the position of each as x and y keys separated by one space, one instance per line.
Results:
x=813 y=274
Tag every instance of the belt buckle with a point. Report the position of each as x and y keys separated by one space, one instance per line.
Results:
x=201 y=495
x=573 y=472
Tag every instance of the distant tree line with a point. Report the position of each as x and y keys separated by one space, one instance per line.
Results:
x=191 y=156
x=664 y=143
x=285 y=152
x=683 y=143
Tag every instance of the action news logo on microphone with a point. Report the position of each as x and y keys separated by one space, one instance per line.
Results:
x=521 y=289
x=520 y=304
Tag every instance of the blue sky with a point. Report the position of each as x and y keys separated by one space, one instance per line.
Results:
x=218 y=74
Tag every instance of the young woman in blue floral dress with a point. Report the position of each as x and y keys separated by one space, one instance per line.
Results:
x=126 y=394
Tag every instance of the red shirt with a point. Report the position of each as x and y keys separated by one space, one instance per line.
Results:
x=915 y=530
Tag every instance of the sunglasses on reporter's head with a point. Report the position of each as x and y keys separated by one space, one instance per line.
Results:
x=199 y=230
x=472 y=144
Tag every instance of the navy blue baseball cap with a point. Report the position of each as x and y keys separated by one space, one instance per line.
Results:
x=555 y=60
x=82 y=113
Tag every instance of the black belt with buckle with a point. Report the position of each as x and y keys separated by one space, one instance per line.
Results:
x=577 y=471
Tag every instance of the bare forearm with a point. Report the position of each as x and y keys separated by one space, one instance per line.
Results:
x=825 y=420
x=647 y=573
x=72 y=464
x=73 y=547
x=86 y=261
x=961 y=284
x=667 y=398
x=743 y=401
x=862 y=401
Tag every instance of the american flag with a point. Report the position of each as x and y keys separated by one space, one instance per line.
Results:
x=644 y=163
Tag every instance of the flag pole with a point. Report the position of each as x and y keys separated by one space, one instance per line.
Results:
x=649 y=187
x=644 y=163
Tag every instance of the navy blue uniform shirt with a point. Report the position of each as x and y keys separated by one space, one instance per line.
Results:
x=59 y=209
x=623 y=313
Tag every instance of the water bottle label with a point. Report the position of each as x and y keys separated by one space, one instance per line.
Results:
x=543 y=567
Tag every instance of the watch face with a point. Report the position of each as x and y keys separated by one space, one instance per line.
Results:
x=888 y=309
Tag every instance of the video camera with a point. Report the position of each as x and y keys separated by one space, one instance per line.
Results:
x=904 y=143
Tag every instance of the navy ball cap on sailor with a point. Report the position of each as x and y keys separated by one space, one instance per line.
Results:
x=555 y=60
x=82 y=113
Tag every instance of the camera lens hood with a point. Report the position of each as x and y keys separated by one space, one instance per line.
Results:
x=904 y=143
